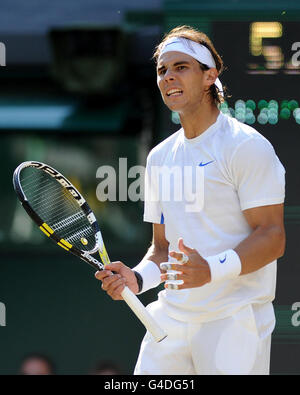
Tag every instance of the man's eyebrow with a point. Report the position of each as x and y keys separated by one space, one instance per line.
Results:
x=181 y=62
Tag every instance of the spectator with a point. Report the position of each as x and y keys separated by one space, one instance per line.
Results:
x=106 y=368
x=36 y=364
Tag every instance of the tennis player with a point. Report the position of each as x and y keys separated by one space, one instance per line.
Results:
x=217 y=245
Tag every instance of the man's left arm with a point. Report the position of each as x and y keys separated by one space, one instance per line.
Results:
x=267 y=241
x=265 y=244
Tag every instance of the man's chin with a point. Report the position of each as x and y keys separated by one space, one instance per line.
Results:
x=174 y=107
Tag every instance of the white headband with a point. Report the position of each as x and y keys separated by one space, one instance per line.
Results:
x=193 y=49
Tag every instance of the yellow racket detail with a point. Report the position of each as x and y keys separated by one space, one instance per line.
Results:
x=61 y=245
x=84 y=241
x=65 y=244
x=46 y=229
x=104 y=256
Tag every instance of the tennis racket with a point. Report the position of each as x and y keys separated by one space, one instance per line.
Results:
x=63 y=215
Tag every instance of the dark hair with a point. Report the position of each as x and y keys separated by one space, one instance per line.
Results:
x=107 y=365
x=193 y=34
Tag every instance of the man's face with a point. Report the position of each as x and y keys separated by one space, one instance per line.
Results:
x=181 y=81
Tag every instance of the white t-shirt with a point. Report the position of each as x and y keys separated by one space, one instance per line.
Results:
x=227 y=169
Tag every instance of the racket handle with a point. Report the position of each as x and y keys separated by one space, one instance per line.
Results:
x=144 y=316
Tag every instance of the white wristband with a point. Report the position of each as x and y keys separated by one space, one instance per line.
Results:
x=150 y=273
x=224 y=266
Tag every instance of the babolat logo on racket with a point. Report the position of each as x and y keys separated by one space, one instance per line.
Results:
x=60 y=178
x=91 y=259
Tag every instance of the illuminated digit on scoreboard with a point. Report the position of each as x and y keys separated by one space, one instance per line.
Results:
x=272 y=53
x=260 y=30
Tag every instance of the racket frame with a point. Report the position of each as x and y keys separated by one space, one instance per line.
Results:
x=130 y=298
x=45 y=228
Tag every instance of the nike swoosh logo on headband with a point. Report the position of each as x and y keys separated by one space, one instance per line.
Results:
x=173 y=42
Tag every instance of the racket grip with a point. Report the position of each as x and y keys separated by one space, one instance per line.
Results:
x=144 y=316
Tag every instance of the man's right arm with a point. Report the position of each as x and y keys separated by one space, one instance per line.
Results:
x=158 y=252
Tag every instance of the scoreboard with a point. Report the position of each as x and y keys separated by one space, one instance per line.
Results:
x=262 y=61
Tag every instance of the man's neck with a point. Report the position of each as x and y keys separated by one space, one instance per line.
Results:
x=198 y=121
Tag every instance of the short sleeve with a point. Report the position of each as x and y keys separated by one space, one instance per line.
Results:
x=152 y=207
x=257 y=173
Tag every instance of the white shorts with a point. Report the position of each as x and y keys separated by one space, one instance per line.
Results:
x=236 y=345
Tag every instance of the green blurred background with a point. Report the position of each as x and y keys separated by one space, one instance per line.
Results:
x=78 y=91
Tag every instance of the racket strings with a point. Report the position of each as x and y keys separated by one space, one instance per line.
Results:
x=74 y=220
x=51 y=199
x=83 y=233
x=55 y=205
x=45 y=189
x=69 y=220
x=30 y=184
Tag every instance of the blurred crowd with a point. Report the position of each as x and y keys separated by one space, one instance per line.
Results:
x=40 y=364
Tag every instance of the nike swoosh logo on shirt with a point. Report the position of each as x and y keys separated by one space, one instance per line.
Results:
x=204 y=164
x=222 y=260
